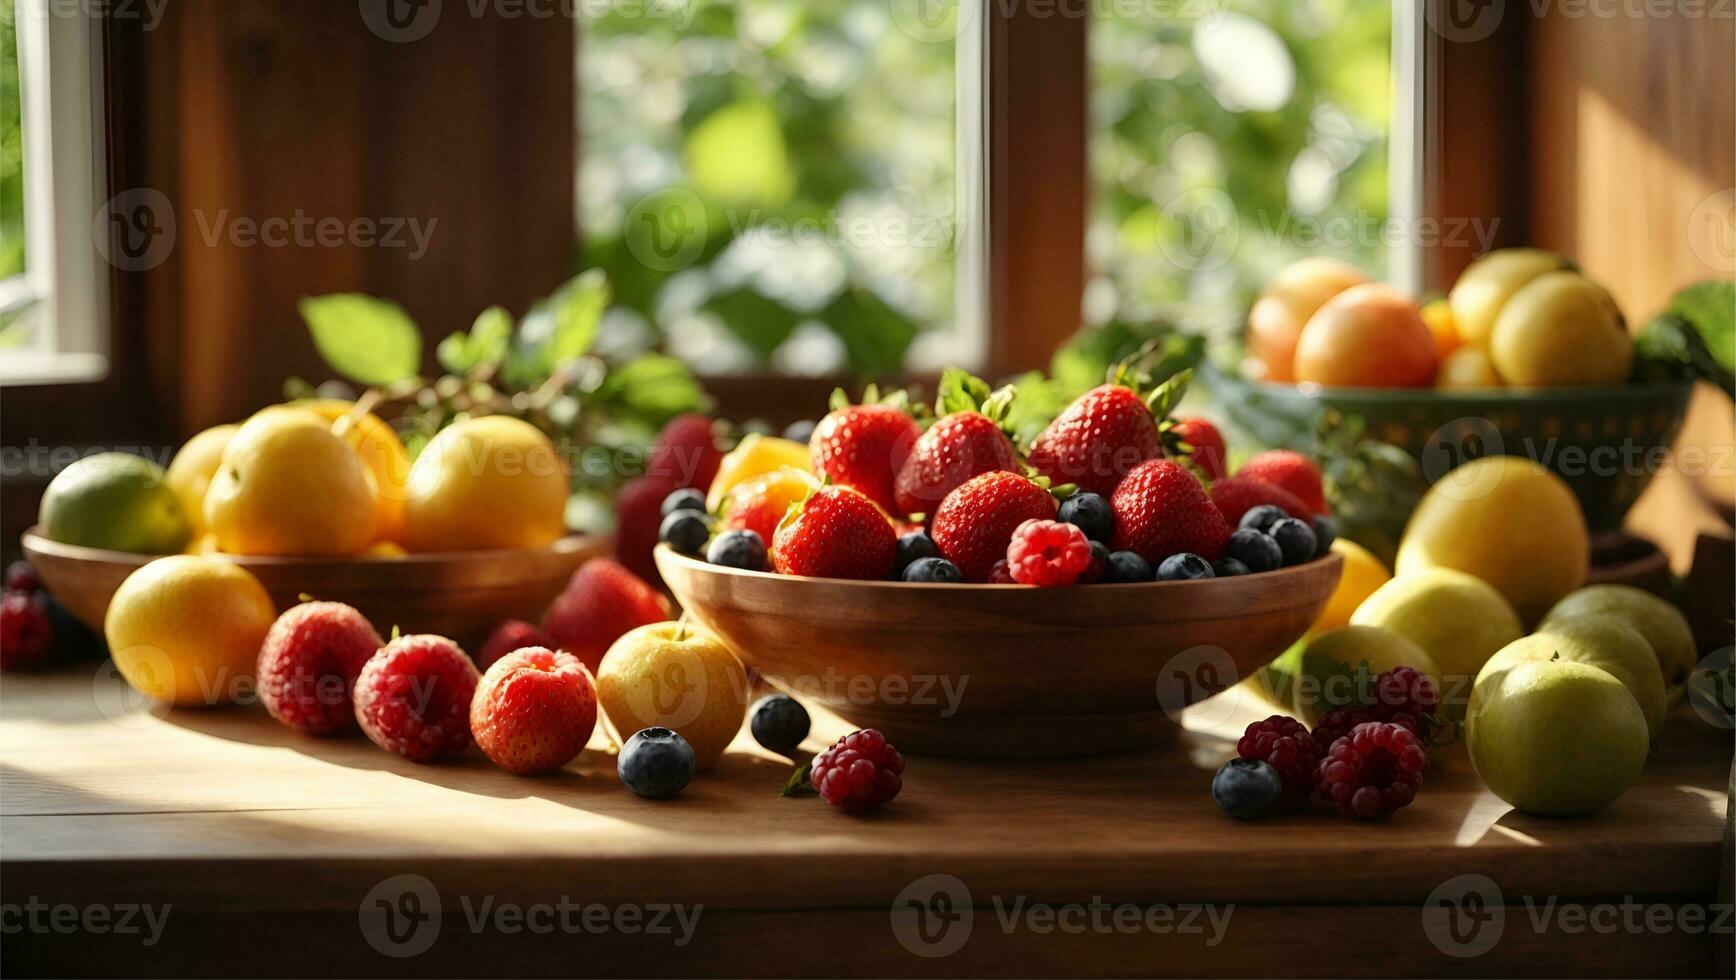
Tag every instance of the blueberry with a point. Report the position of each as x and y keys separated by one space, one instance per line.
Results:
x=1262 y=518
x=1227 y=567
x=1246 y=789
x=1255 y=549
x=656 y=763
x=779 y=722
x=1296 y=539
x=684 y=499
x=933 y=570
x=801 y=431
x=738 y=549
x=1090 y=513
x=912 y=546
x=1099 y=562
x=1325 y=532
x=1186 y=565
x=685 y=531
x=1127 y=566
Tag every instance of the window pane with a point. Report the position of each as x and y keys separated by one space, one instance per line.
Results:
x=1228 y=140
x=17 y=324
x=769 y=183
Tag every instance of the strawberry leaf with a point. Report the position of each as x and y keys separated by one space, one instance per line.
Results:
x=960 y=391
x=798 y=784
x=1165 y=397
x=838 y=400
x=999 y=405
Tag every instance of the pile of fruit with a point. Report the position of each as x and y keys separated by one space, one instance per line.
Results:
x=1113 y=491
x=1522 y=317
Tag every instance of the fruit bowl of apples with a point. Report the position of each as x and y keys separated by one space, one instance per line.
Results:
x=972 y=597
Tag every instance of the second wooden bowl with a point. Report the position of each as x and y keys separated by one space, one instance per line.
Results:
x=1004 y=670
x=461 y=594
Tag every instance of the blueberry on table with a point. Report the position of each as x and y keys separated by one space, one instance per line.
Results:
x=914 y=546
x=738 y=549
x=656 y=763
x=1325 y=532
x=1227 y=567
x=1296 y=539
x=933 y=570
x=779 y=722
x=1127 y=566
x=1183 y=567
x=1090 y=513
x=684 y=499
x=1262 y=518
x=1255 y=549
x=1246 y=789
x=686 y=531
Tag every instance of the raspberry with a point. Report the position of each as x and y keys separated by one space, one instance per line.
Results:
x=1337 y=723
x=1048 y=553
x=859 y=772
x=1404 y=695
x=1001 y=574
x=534 y=710
x=26 y=632
x=510 y=635
x=413 y=697
x=1374 y=771
x=308 y=665
x=21 y=577
x=1284 y=744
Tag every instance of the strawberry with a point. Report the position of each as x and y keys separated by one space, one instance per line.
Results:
x=1205 y=446
x=1107 y=432
x=1294 y=472
x=863 y=447
x=1161 y=509
x=975 y=523
x=967 y=441
x=638 y=513
x=602 y=601
x=1241 y=493
x=685 y=452
x=836 y=533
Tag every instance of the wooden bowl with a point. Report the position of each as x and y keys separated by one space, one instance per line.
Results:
x=462 y=595
x=1004 y=670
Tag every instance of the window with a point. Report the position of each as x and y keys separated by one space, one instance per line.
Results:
x=53 y=287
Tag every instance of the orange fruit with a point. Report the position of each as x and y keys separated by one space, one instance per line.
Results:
x=1368 y=336
x=1289 y=301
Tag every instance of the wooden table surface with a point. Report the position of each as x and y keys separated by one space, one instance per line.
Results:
x=269 y=849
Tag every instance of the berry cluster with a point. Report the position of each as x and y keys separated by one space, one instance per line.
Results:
x=34 y=627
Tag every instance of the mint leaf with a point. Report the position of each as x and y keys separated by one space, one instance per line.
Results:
x=367 y=340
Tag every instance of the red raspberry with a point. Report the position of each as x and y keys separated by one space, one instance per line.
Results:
x=1337 y=723
x=1048 y=553
x=413 y=697
x=510 y=635
x=1001 y=574
x=308 y=666
x=1374 y=771
x=21 y=577
x=859 y=772
x=1285 y=745
x=1406 y=696
x=26 y=633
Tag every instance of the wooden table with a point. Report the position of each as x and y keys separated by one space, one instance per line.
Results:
x=282 y=855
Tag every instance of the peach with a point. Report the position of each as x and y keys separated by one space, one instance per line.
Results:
x=1369 y=336
x=1289 y=301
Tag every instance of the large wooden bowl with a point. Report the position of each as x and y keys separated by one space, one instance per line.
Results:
x=1004 y=670
x=457 y=594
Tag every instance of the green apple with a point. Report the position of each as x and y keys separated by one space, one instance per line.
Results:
x=1603 y=642
x=1662 y=624
x=1458 y=619
x=117 y=501
x=1556 y=738
x=1339 y=666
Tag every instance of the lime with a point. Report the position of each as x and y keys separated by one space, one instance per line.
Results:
x=117 y=501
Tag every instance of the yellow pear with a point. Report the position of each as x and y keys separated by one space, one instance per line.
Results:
x=1486 y=285
x=288 y=486
x=1561 y=329
x=490 y=482
x=191 y=470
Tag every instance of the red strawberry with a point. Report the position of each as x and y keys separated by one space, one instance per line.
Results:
x=685 y=452
x=1294 y=472
x=510 y=635
x=602 y=601
x=836 y=533
x=953 y=450
x=1161 y=510
x=975 y=523
x=638 y=513
x=1241 y=493
x=863 y=447
x=1208 y=452
x=1100 y=437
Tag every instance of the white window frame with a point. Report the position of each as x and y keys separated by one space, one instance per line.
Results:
x=59 y=85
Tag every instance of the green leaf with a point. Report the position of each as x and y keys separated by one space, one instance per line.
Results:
x=798 y=784
x=960 y=391
x=485 y=344
x=654 y=387
x=369 y=341
x=578 y=311
x=759 y=322
x=1710 y=308
x=875 y=335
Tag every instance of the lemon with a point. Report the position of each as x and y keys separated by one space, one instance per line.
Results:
x=1363 y=573
x=288 y=486
x=754 y=456
x=1483 y=289
x=1459 y=620
x=187 y=629
x=490 y=482
x=191 y=470
x=117 y=501
x=382 y=452
x=1561 y=329
x=669 y=675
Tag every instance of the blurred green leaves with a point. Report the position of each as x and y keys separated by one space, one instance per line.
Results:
x=369 y=341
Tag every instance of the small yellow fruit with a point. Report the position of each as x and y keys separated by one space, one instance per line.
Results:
x=669 y=675
x=1662 y=624
x=1561 y=329
x=1363 y=573
x=1339 y=668
x=382 y=452
x=191 y=470
x=1508 y=521
x=187 y=629
x=288 y=486
x=204 y=544
x=490 y=482
x=1486 y=284
x=386 y=549
x=1467 y=368
x=1603 y=642
x=1438 y=317
x=753 y=456
x=1458 y=619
